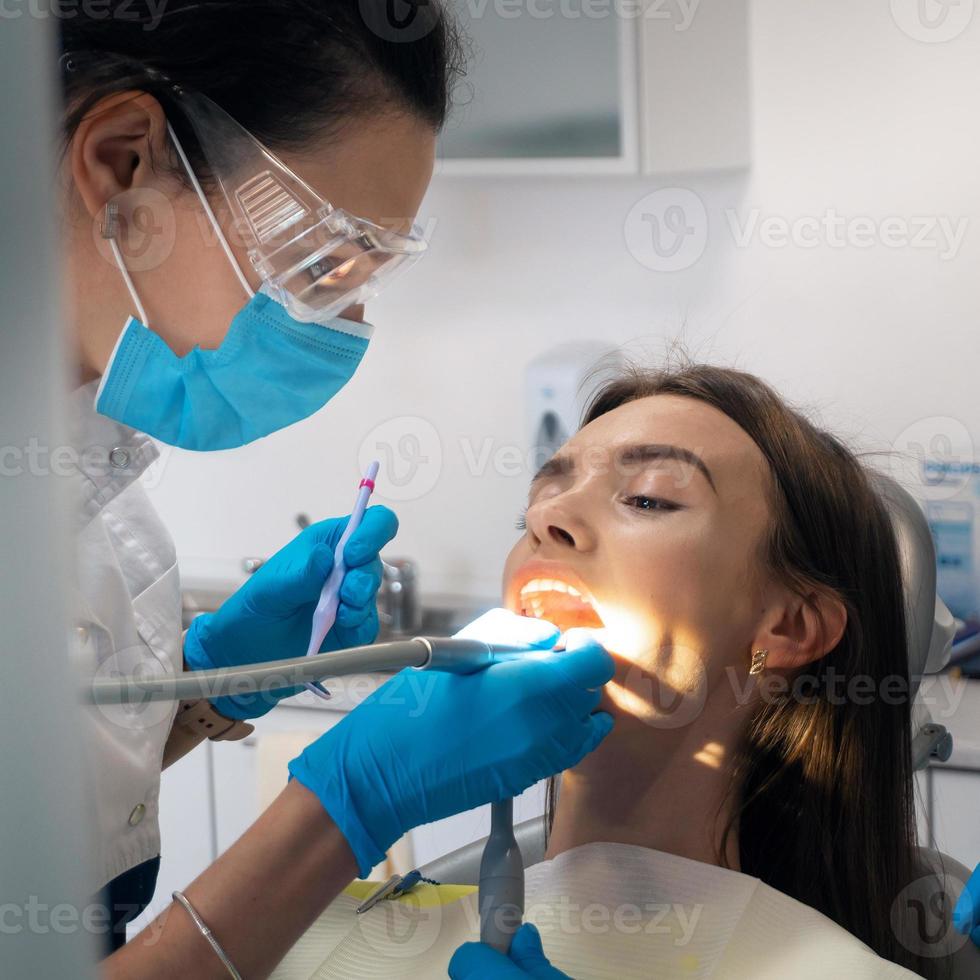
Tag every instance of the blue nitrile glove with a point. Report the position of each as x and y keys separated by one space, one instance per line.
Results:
x=271 y=615
x=966 y=915
x=477 y=961
x=428 y=744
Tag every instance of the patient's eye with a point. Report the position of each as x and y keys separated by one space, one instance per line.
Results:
x=651 y=503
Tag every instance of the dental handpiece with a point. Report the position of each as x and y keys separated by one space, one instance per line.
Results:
x=501 y=894
x=326 y=609
x=455 y=656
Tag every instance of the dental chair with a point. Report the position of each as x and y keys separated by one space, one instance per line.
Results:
x=931 y=899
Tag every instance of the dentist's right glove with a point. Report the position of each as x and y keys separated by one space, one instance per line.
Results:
x=476 y=961
x=428 y=744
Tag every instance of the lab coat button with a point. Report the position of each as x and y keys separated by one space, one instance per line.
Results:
x=139 y=811
x=82 y=633
x=119 y=458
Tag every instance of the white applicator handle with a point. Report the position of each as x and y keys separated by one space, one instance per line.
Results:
x=326 y=609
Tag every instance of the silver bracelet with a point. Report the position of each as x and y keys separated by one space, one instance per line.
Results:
x=181 y=899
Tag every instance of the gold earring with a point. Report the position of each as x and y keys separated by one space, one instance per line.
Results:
x=758 y=661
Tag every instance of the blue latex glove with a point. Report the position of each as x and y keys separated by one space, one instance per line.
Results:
x=476 y=961
x=271 y=615
x=966 y=915
x=428 y=744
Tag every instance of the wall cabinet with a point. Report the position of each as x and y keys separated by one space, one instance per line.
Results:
x=601 y=86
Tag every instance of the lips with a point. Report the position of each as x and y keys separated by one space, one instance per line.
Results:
x=551 y=591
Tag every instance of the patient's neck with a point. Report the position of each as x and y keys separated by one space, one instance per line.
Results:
x=659 y=788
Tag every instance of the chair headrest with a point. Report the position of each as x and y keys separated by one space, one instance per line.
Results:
x=929 y=624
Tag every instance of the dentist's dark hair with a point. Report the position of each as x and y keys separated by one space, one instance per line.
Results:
x=290 y=71
x=822 y=788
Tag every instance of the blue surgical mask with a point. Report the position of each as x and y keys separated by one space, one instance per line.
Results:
x=271 y=370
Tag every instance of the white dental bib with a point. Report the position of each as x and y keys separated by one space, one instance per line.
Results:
x=605 y=911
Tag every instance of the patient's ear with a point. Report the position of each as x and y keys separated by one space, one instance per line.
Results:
x=798 y=632
x=114 y=146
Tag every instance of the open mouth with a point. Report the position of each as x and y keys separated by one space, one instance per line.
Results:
x=558 y=602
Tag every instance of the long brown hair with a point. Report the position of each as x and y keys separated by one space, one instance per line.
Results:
x=822 y=786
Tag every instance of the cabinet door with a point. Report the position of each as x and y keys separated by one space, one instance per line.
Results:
x=550 y=87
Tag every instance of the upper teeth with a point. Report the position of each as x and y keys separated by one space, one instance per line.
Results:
x=549 y=585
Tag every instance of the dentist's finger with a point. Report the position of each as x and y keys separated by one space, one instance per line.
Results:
x=378 y=526
x=585 y=661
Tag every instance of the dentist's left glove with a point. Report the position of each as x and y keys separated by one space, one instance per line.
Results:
x=476 y=961
x=270 y=616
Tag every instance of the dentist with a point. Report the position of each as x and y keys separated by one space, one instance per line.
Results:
x=239 y=177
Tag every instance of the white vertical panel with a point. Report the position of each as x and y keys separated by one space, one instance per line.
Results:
x=43 y=845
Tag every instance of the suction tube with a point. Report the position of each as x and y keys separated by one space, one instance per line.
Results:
x=501 y=880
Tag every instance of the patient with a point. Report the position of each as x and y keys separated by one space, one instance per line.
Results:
x=733 y=824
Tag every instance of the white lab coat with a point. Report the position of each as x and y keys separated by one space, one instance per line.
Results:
x=606 y=912
x=127 y=617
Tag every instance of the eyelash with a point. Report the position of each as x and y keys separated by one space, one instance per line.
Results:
x=664 y=505
x=634 y=501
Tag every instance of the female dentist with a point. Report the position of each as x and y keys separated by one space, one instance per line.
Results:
x=273 y=155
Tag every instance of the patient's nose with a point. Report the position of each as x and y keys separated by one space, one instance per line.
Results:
x=552 y=521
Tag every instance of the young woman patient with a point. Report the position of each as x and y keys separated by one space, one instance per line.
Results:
x=750 y=814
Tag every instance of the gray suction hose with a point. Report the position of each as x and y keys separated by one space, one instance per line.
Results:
x=501 y=880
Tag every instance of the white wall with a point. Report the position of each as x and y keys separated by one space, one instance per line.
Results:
x=851 y=114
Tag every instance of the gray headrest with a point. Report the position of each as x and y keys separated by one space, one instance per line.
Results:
x=929 y=624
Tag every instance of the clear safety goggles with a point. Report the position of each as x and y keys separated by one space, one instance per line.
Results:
x=315 y=259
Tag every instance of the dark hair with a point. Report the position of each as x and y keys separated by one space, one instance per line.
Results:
x=289 y=71
x=823 y=791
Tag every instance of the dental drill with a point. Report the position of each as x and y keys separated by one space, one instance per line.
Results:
x=455 y=656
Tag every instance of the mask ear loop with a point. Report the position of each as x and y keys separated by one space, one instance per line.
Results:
x=111 y=222
x=110 y=225
x=207 y=210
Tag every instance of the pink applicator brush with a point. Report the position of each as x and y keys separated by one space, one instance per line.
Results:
x=326 y=609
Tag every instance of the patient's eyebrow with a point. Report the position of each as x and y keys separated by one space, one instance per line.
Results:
x=646 y=453
x=657 y=451
x=556 y=466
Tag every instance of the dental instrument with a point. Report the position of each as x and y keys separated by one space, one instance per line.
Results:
x=458 y=656
x=326 y=609
x=501 y=880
